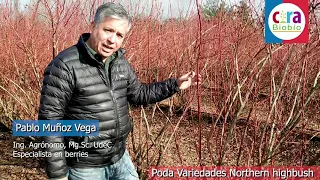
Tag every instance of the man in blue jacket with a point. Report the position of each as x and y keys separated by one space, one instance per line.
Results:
x=93 y=80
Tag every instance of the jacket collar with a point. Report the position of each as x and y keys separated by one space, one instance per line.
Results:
x=85 y=54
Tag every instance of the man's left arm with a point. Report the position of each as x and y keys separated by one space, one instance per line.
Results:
x=140 y=93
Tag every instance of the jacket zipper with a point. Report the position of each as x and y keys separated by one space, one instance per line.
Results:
x=107 y=80
x=116 y=110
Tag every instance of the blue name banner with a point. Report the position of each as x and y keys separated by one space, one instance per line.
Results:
x=55 y=128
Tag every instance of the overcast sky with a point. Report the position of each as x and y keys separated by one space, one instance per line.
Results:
x=183 y=5
x=168 y=7
x=176 y=5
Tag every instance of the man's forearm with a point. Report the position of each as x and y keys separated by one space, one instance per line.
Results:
x=155 y=92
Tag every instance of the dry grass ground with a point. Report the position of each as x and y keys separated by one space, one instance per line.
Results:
x=18 y=168
x=187 y=138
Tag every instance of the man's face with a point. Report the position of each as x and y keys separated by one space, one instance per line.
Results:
x=107 y=36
